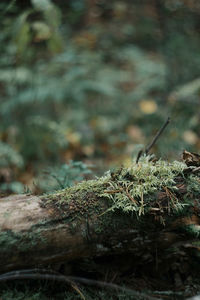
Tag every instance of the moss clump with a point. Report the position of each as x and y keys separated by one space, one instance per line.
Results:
x=63 y=196
x=80 y=200
x=133 y=189
x=94 y=186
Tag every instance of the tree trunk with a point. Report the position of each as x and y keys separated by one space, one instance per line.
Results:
x=157 y=234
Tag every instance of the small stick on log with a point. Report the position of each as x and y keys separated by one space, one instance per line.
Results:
x=148 y=148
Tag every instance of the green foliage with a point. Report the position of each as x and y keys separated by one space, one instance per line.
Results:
x=46 y=292
x=12 y=187
x=65 y=176
x=22 y=295
x=9 y=157
x=42 y=136
x=35 y=132
x=60 y=75
x=133 y=189
x=43 y=30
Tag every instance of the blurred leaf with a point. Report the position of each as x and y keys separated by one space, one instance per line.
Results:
x=51 y=12
x=188 y=91
x=13 y=187
x=42 y=4
x=65 y=175
x=190 y=137
x=55 y=43
x=42 y=31
x=9 y=157
x=148 y=106
x=22 y=33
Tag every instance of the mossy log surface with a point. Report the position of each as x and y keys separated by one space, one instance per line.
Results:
x=149 y=211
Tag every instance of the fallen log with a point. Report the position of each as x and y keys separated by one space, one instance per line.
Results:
x=149 y=213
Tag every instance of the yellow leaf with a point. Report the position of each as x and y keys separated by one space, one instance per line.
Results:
x=148 y=106
x=190 y=137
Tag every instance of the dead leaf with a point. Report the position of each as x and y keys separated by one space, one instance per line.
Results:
x=191 y=159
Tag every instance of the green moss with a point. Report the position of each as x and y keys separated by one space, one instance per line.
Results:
x=8 y=239
x=129 y=190
x=109 y=223
x=79 y=201
x=23 y=241
x=134 y=189
x=193 y=184
x=64 y=196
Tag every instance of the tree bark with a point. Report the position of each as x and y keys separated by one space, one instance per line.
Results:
x=76 y=223
x=33 y=235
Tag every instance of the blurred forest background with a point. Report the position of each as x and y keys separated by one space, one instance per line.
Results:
x=85 y=84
